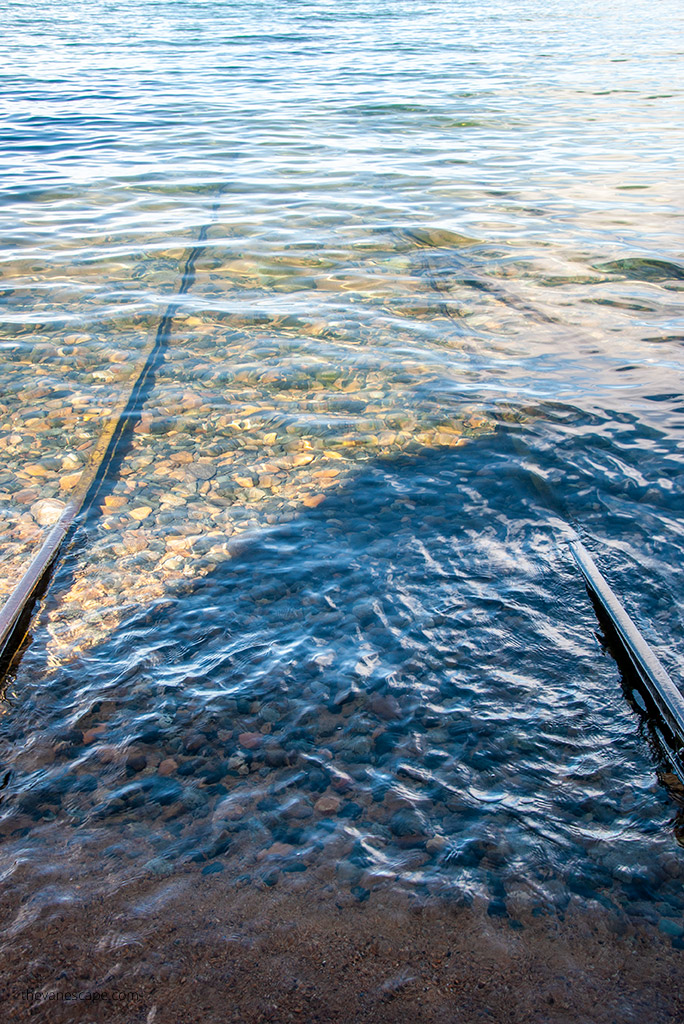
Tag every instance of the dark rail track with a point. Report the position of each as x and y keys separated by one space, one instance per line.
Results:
x=16 y=613
x=632 y=652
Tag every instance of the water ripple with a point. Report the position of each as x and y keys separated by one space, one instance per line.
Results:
x=324 y=615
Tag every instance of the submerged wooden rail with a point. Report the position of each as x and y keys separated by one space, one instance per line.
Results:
x=665 y=696
x=15 y=614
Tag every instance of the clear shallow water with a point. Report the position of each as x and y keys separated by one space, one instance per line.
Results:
x=435 y=314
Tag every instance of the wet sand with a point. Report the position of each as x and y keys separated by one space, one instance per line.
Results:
x=203 y=948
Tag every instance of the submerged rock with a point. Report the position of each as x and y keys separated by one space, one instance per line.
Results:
x=47 y=511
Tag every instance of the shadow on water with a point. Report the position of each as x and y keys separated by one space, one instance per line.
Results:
x=402 y=683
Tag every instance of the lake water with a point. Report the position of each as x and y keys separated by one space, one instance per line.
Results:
x=322 y=620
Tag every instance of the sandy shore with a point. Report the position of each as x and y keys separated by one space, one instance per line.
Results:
x=199 y=948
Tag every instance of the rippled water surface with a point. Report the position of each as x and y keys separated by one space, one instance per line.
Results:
x=323 y=617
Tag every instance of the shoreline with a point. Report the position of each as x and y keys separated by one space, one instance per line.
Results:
x=194 y=947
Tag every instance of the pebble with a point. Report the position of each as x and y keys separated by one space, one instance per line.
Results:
x=229 y=810
x=675 y=929
x=275 y=757
x=135 y=541
x=69 y=481
x=299 y=810
x=344 y=696
x=212 y=869
x=386 y=707
x=341 y=781
x=328 y=804
x=26 y=495
x=140 y=513
x=167 y=767
x=47 y=511
x=406 y=823
x=194 y=741
x=313 y=501
x=107 y=754
x=276 y=850
x=159 y=866
x=90 y=735
x=348 y=872
x=250 y=740
x=202 y=470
